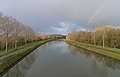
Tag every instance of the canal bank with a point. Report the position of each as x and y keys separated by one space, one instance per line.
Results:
x=59 y=59
x=112 y=54
x=10 y=61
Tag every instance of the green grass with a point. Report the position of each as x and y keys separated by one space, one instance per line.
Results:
x=110 y=52
x=2 y=53
x=104 y=48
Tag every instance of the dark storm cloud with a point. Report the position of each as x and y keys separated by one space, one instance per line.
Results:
x=43 y=14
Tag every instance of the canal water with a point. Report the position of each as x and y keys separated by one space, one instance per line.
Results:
x=59 y=59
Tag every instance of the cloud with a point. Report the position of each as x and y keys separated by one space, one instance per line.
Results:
x=43 y=14
x=66 y=27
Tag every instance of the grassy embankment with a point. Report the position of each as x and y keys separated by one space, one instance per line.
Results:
x=106 y=51
x=2 y=53
x=10 y=61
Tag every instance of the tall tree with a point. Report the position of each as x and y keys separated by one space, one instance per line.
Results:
x=27 y=34
x=7 y=28
x=17 y=26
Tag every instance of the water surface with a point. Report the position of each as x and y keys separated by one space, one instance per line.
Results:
x=58 y=59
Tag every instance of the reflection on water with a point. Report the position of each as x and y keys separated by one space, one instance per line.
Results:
x=20 y=69
x=100 y=64
x=52 y=57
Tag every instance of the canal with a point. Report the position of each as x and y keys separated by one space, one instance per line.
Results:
x=59 y=59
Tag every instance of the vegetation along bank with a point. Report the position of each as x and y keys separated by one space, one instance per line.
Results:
x=115 y=54
x=104 y=40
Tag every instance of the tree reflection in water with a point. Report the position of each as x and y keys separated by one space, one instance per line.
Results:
x=20 y=69
x=100 y=64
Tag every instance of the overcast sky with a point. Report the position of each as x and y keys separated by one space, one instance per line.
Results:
x=62 y=16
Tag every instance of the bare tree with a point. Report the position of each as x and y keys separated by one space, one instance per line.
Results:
x=12 y=32
x=7 y=28
x=27 y=34
x=17 y=26
x=1 y=23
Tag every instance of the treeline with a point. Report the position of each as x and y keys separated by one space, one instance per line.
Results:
x=50 y=36
x=107 y=36
x=14 y=33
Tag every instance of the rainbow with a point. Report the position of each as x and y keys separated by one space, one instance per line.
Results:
x=97 y=12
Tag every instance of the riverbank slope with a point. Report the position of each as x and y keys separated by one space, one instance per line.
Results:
x=103 y=51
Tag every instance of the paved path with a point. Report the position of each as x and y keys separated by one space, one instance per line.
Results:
x=7 y=55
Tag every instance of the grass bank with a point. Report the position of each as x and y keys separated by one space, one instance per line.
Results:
x=2 y=53
x=109 y=52
x=10 y=61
